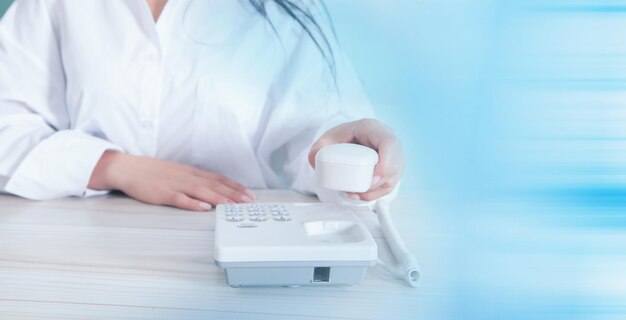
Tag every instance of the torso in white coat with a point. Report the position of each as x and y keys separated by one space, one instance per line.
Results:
x=211 y=84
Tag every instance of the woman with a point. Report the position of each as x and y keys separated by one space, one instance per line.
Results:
x=171 y=102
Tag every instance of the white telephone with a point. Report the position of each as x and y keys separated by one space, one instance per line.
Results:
x=304 y=244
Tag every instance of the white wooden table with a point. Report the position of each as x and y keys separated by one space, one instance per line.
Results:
x=114 y=258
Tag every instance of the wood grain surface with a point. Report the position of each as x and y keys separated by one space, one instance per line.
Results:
x=112 y=257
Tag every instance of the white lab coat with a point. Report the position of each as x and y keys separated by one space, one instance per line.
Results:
x=210 y=85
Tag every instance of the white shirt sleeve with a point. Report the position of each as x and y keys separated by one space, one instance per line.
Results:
x=40 y=157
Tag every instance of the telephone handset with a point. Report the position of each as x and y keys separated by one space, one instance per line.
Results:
x=304 y=244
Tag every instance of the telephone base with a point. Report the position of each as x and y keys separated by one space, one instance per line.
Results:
x=291 y=244
x=294 y=274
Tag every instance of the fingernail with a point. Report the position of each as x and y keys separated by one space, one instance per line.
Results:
x=205 y=206
x=246 y=199
x=375 y=181
x=354 y=196
x=250 y=194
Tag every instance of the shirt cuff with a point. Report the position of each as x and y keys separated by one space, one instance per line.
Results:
x=59 y=166
x=92 y=193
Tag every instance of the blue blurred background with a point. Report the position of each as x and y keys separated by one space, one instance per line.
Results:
x=512 y=113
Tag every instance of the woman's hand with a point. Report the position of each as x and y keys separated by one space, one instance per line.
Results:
x=163 y=182
x=374 y=134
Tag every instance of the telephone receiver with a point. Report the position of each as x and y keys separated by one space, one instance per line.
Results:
x=349 y=167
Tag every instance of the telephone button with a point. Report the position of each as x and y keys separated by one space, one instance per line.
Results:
x=258 y=218
x=282 y=218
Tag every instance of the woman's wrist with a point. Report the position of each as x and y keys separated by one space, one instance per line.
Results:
x=106 y=175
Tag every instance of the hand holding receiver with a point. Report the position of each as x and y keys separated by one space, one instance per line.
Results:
x=377 y=136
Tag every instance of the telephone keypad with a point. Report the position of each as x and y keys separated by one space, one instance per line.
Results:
x=256 y=213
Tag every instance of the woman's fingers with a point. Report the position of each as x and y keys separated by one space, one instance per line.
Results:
x=183 y=201
x=371 y=195
x=232 y=185
x=376 y=194
x=234 y=195
x=317 y=146
x=378 y=190
x=391 y=160
x=208 y=194
x=203 y=198
x=215 y=192
x=248 y=195
x=343 y=133
x=386 y=173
